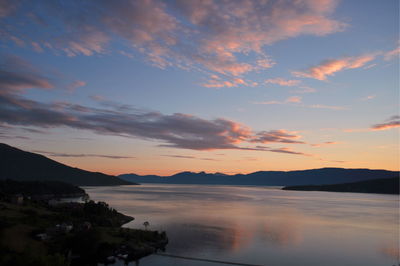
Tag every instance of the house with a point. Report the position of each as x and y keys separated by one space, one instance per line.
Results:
x=66 y=227
x=86 y=226
x=17 y=199
x=42 y=236
x=53 y=202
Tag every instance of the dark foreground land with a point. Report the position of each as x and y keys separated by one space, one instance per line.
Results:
x=380 y=186
x=41 y=232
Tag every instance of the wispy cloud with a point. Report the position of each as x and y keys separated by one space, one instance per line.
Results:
x=17 y=75
x=392 y=54
x=293 y=99
x=283 y=82
x=297 y=102
x=304 y=89
x=282 y=136
x=331 y=66
x=214 y=35
x=189 y=157
x=76 y=84
x=324 y=143
x=330 y=107
x=289 y=100
x=217 y=82
x=276 y=150
x=390 y=123
x=368 y=98
x=370 y=66
x=80 y=155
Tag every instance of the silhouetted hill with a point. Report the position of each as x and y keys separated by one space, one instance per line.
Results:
x=268 y=178
x=40 y=188
x=21 y=165
x=381 y=186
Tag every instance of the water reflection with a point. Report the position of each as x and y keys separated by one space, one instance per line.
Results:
x=391 y=250
x=263 y=226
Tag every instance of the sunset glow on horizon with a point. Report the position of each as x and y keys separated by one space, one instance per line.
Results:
x=161 y=87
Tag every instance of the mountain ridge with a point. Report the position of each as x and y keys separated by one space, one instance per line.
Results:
x=380 y=186
x=319 y=176
x=21 y=165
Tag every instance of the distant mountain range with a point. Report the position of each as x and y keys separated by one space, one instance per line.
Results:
x=381 y=186
x=21 y=165
x=268 y=178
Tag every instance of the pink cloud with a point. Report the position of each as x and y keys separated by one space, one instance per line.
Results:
x=324 y=143
x=17 y=75
x=217 y=82
x=392 y=54
x=294 y=99
x=368 y=98
x=218 y=36
x=330 y=67
x=323 y=106
x=37 y=47
x=290 y=100
x=76 y=84
x=269 y=102
x=171 y=130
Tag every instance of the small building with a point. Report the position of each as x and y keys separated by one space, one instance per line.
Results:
x=66 y=227
x=53 y=202
x=17 y=199
x=86 y=226
x=42 y=236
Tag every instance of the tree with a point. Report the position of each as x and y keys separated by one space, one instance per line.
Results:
x=146 y=224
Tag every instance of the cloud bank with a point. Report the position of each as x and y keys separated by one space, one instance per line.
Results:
x=81 y=155
x=175 y=130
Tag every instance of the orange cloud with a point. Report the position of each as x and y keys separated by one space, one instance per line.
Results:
x=330 y=67
x=324 y=143
x=216 y=82
x=294 y=99
x=392 y=122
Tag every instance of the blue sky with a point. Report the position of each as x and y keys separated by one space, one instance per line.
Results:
x=228 y=86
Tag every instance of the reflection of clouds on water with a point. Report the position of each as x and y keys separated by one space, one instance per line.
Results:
x=283 y=230
x=218 y=235
x=198 y=238
x=391 y=250
x=256 y=224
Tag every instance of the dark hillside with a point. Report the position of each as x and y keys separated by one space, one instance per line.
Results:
x=21 y=165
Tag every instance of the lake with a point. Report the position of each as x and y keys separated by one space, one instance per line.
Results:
x=262 y=225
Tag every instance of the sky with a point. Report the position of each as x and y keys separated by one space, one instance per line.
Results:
x=160 y=87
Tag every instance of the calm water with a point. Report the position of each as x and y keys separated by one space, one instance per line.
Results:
x=263 y=226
